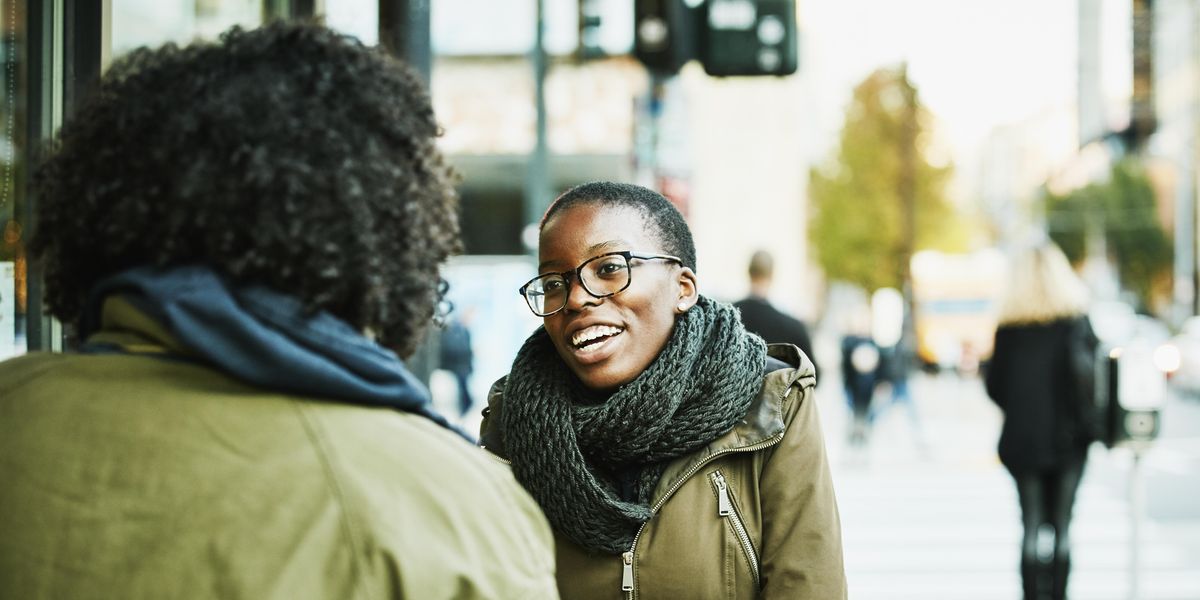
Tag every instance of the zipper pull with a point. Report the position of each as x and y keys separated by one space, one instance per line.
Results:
x=724 y=506
x=627 y=572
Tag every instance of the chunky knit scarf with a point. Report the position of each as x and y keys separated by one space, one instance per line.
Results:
x=570 y=453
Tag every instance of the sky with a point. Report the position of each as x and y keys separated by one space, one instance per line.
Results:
x=978 y=64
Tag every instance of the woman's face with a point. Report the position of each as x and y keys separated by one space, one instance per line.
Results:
x=609 y=341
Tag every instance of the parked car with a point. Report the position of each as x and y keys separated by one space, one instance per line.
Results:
x=1185 y=378
x=1146 y=348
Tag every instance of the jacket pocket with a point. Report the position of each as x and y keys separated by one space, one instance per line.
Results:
x=727 y=510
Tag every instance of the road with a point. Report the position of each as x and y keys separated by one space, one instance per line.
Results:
x=928 y=512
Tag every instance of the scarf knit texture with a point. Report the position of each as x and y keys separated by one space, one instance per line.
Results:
x=567 y=450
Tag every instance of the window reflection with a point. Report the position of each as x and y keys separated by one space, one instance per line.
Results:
x=12 y=168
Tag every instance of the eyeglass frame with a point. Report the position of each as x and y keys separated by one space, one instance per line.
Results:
x=575 y=274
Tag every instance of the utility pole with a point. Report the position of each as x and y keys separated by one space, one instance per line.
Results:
x=404 y=32
x=537 y=184
x=1193 y=158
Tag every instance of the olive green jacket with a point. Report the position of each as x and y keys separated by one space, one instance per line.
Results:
x=751 y=515
x=147 y=475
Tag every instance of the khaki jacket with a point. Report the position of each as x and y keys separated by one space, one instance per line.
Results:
x=752 y=515
x=138 y=475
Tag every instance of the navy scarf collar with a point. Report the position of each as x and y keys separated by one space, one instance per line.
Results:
x=265 y=338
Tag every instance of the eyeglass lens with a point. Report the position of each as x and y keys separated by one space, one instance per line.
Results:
x=601 y=276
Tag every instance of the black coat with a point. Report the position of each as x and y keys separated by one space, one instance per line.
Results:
x=1031 y=378
x=767 y=322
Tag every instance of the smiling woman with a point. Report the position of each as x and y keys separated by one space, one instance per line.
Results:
x=675 y=454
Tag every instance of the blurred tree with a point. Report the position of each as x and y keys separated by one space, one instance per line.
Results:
x=1124 y=209
x=858 y=222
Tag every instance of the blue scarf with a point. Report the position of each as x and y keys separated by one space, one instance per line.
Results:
x=265 y=338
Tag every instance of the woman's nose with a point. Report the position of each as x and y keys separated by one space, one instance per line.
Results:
x=578 y=297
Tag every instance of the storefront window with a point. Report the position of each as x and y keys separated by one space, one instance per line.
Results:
x=13 y=154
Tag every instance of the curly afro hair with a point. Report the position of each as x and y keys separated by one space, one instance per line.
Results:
x=665 y=222
x=290 y=156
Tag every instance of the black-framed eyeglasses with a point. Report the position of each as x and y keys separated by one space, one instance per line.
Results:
x=601 y=276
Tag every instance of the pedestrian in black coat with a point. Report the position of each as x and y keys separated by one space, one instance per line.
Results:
x=764 y=320
x=1034 y=378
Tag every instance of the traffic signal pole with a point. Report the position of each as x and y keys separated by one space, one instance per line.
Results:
x=404 y=31
x=537 y=175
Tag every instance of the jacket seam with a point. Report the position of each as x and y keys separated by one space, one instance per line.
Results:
x=324 y=453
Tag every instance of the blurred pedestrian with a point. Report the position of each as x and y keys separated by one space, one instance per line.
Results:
x=860 y=376
x=1039 y=377
x=241 y=233
x=676 y=455
x=455 y=356
x=889 y=321
x=762 y=318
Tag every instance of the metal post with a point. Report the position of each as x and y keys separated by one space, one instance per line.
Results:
x=537 y=185
x=1136 y=502
x=1185 y=218
x=404 y=31
x=1191 y=159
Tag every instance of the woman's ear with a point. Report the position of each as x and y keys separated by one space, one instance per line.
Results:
x=689 y=290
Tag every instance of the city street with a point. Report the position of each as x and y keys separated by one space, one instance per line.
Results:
x=928 y=512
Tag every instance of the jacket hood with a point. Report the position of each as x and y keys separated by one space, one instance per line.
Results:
x=253 y=334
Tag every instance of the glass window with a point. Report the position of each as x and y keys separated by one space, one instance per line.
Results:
x=138 y=23
x=13 y=156
x=359 y=18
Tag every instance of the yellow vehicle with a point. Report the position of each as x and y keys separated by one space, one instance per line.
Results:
x=955 y=306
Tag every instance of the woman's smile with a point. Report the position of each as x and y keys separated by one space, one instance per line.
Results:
x=595 y=343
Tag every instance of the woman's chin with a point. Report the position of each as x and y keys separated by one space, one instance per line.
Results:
x=597 y=378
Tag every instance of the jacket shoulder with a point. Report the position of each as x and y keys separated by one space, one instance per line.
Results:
x=21 y=370
x=437 y=488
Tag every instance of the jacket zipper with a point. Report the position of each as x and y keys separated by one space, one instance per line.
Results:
x=627 y=557
x=727 y=509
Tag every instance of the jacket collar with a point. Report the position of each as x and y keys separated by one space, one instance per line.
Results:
x=762 y=427
x=126 y=329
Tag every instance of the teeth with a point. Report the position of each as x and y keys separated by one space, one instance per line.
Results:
x=584 y=336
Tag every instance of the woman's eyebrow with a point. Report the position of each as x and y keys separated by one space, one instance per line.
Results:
x=609 y=245
x=592 y=250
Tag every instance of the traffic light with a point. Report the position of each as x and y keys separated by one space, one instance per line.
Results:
x=666 y=34
x=730 y=37
x=749 y=37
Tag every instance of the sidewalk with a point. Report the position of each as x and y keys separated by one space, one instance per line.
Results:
x=940 y=519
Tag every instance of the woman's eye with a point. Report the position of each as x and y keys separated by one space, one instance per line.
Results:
x=611 y=268
x=554 y=285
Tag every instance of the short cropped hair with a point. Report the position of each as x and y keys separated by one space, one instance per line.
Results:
x=762 y=265
x=664 y=220
x=290 y=156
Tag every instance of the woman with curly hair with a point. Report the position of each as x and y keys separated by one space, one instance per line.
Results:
x=244 y=235
x=1040 y=375
x=675 y=454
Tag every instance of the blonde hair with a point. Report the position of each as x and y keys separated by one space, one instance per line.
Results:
x=1042 y=288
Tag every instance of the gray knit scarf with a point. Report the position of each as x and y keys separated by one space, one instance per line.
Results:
x=570 y=452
